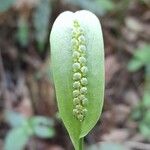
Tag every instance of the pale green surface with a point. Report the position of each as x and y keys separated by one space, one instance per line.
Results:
x=16 y=139
x=61 y=55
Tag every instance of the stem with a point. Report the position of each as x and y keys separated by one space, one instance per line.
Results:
x=81 y=144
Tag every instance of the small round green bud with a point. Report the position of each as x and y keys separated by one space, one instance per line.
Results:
x=84 y=111
x=84 y=70
x=76 y=54
x=76 y=93
x=84 y=81
x=81 y=31
x=82 y=48
x=79 y=107
x=83 y=90
x=76 y=66
x=81 y=97
x=76 y=23
x=75 y=112
x=76 y=84
x=81 y=39
x=74 y=33
x=80 y=117
x=74 y=42
x=76 y=101
x=84 y=101
x=77 y=76
x=82 y=60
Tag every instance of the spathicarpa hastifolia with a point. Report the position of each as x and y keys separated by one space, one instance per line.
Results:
x=77 y=55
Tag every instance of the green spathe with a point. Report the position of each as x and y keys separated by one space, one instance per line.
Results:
x=61 y=56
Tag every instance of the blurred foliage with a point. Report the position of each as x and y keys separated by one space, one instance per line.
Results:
x=107 y=146
x=42 y=127
x=17 y=139
x=23 y=31
x=140 y=58
x=41 y=21
x=99 y=7
x=147 y=2
x=14 y=119
x=24 y=128
x=142 y=112
x=6 y=4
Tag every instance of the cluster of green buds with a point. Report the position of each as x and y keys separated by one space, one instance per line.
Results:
x=79 y=71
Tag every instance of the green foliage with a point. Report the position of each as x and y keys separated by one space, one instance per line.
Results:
x=99 y=7
x=41 y=21
x=62 y=55
x=23 y=32
x=107 y=5
x=144 y=126
x=42 y=127
x=23 y=129
x=142 y=112
x=16 y=139
x=146 y=2
x=140 y=58
x=6 y=4
x=14 y=119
